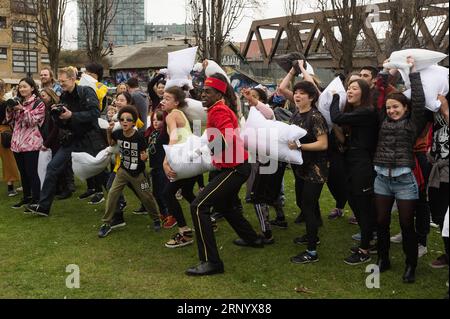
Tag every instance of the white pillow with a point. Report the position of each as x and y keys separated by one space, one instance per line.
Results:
x=85 y=165
x=180 y=63
x=194 y=111
x=44 y=158
x=180 y=160
x=434 y=82
x=270 y=138
x=445 y=228
x=423 y=58
x=326 y=97
x=213 y=67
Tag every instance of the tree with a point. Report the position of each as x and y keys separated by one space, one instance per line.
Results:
x=96 y=17
x=291 y=8
x=214 y=20
x=407 y=18
x=50 y=22
x=349 y=17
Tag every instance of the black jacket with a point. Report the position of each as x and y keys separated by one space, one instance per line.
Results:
x=83 y=103
x=363 y=122
x=397 y=138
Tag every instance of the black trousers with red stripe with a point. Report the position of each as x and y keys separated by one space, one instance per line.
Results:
x=221 y=192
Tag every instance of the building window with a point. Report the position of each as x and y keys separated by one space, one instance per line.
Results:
x=23 y=61
x=2 y=22
x=23 y=6
x=3 y=53
x=24 y=32
x=44 y=58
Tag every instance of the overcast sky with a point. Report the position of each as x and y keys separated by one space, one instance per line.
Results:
x=174 y=11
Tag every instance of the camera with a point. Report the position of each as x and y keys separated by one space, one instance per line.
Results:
x=57 y=110
x=11 y=103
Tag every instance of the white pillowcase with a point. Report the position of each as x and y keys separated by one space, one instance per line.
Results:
x=213 y=67
x=194 y=111
x=434 y=82
x=326 y=97
x=179 y=67
x=182 y=162
x=85 y=165
x=269 y=138
x=44 y=158
x=423 y=58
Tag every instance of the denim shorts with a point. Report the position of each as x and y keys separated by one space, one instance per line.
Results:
x=403 y=187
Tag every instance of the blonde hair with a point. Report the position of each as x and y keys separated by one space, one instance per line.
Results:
x=70 y=71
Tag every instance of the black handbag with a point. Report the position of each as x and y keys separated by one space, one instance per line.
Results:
x=5 y=139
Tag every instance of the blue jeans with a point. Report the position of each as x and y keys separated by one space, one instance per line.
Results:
x=403 y=187
x=54 y=170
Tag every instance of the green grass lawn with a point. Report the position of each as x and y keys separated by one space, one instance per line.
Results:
x=133 y=262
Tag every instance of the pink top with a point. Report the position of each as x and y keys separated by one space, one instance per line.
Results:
x=26 y=136
x=265 y=110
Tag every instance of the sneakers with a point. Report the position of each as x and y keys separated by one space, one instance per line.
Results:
x=180 y=240
x=35 y=209
x=178 y=195
x=19 y=189
x=357 y=258
x=279 y=223
x=421 y=250
x=169 y=222
x=434 y=225
x=87 y=194
x=303 y=240
x=397 y=239
x=118 y=223
x=12 y=192
x=122 y=205
x=305 y=258
x=140 y=211
x=23 y=202
x=373 y=250
x=97 y=199
x=352 y=220
x=104 y=230
x=440 y=262
x=336 y=213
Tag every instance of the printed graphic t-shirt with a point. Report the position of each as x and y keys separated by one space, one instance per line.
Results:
x=130 y=149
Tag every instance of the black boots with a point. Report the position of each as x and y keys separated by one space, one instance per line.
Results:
x=409 y=276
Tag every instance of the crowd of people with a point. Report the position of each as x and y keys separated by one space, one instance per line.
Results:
x=382 y=149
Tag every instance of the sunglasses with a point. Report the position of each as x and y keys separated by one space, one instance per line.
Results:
x=129 y=120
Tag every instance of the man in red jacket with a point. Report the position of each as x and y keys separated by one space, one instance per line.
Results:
x=230 y=158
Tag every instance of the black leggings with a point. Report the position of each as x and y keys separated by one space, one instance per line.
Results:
x=187 y=190
x=406 y=211
x=438 y=198
x=308 y=195
x=27 y=162
x=336 y=179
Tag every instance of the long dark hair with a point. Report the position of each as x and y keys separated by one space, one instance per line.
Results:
x=365 y=96
x=229 y=96
x=33 y=85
